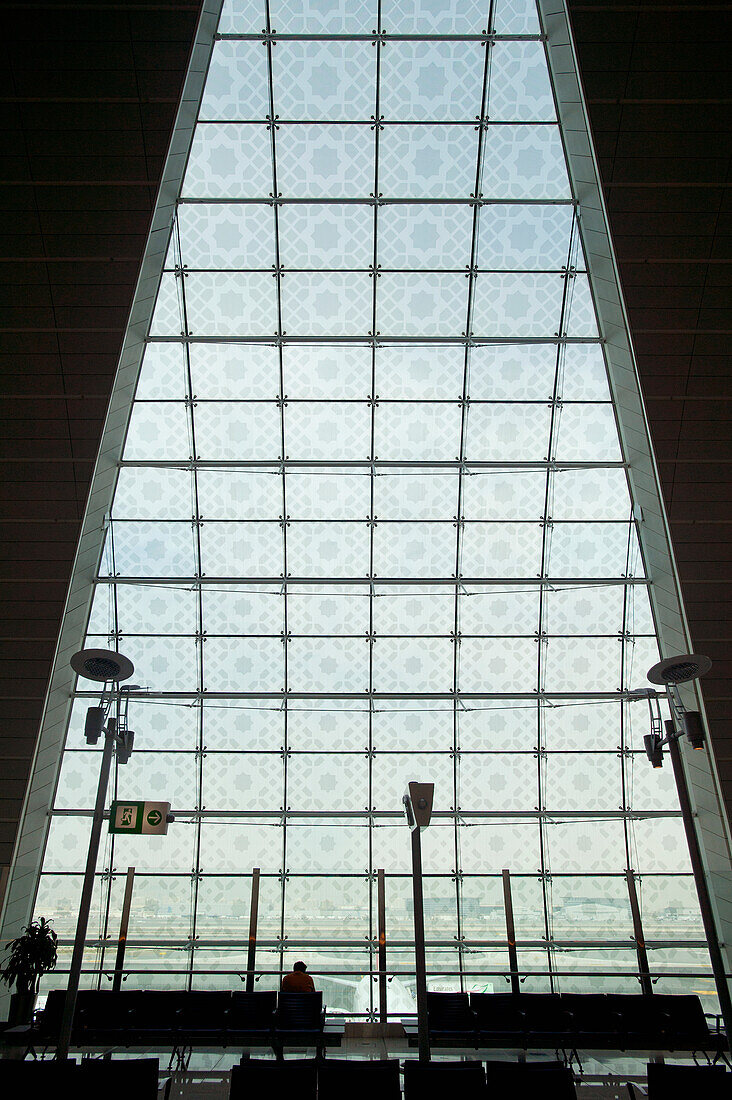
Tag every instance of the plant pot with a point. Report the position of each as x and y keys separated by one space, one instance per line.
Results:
x=21 y=1009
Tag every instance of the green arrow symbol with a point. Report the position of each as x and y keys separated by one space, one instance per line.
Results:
x=154 y=817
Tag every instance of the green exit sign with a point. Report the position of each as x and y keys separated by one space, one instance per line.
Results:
x=149 y=818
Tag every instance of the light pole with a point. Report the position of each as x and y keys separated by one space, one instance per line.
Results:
x=417 y=802
x=668 y=674
x=110 y=668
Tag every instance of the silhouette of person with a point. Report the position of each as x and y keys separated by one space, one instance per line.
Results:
x=298 y=981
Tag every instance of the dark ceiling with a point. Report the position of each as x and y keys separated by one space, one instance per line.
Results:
x=89 y=93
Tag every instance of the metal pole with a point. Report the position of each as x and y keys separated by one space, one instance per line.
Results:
x=510 y=931
x=640 y=944
x=123 y=926
x=381 y=903
x=419 y=956
x=710 y=930
x=253 y=911
x=64 y=1037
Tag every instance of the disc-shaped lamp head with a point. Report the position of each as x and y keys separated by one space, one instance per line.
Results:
x=102 y=665
x=677 y=670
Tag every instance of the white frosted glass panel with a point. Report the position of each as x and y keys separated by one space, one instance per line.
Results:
x=159 y=430
x=223 y=911
x=411 y=726
x=505 y=372
x=391 y=847
x=524 y=162
x=243 y=781
x=583 y=726
x=322 y=161
x=440 y=910
x=434 y=16
x=328 y=729
x=497 y=664
x=230 y=610
x=488 y=848
x=589 y=494
x=431 y=236
x=503 y=494
x=412 y=495
x=240 y=494
x=582 y=664
x=516 y=17
x=324 y=372
x=594 y=907
x=332 y=847
x=506 y=611
x=163 y=374
x=164 y=724
x=327 y=17
x=668 y=901
x=229 y=162
x=319 y=494
x=412 y=613
x=413 y=433
x=500 y=726
x=330 y=432
x=578 y=845
x=324 y=81
x=585 y=610
x=234 y=845
x=517 y=305
x=584 y=375
x=505 y=433
x=77 y=784
x=414 y=550
x=420 y=373
x=498 y=782
x=142 y=609
x=243 y=725
x=520 y=90
x=241 y=549
x=327 y=782
x=328 y=550
x=324 y=664
x=236 y=85
x=659 y=845
x=159 y=776
x=144 y=493
x=392 y=771
x=221 y=236
x=326 y=304
x=226 y=304
x=148 y=549
x=413 y=665
x=319 y=236
x=238 y=430
x=425 y=81
x=244 y=664
x=589 y=550
x=161 y=664
x=423 y=304
x=428 y=162
x=58 y=898
x=521 y=238
x=647 y=788
x=506 y=550
x=336 y=908
x=583 y=781
x=328 y=610
x=586 y=433
x=579 y=318
x=234 y=371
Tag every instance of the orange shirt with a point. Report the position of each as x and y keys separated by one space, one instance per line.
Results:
x=298 y=982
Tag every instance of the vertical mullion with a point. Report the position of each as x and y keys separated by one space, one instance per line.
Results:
x=459 y=521
x=196 y=521
x=283 y=517
x=541 y=640
x=372 y=474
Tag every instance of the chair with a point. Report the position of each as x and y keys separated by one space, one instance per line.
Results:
x=203 y=1015
x=549 y=1080
x=259 y=1077
x=685 y=1082
x=436 y=1080
x=590 y=1020
x=450 y=1019
x=545 y=1020
x=500 y=1019
x=251 y=1015
x=118 y=1079
x=358 y=1079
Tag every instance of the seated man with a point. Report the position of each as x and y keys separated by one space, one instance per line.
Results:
x=298 y=981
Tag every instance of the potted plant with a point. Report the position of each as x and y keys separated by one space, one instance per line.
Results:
x=31 y=956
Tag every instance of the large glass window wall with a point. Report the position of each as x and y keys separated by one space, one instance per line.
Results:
x=372 y=524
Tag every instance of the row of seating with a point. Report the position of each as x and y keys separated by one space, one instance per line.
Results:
x=606 y=1021
x=309 y=1079
x=145 y=1017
